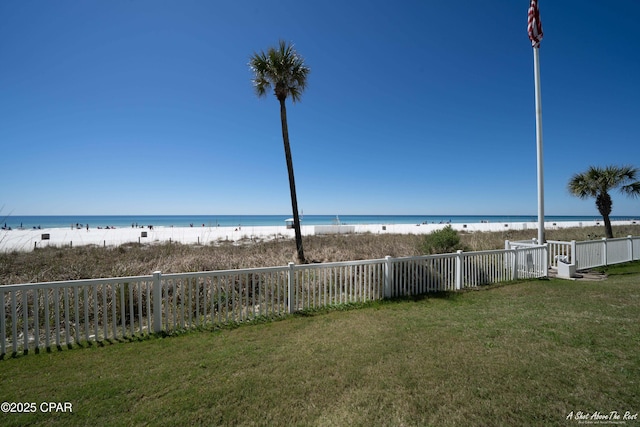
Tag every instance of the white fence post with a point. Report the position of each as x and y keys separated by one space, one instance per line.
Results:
x=157 y=302
x=545 y=260
x=630 y=240
x=511 y=263
x=388 y=266
x=291 y=284
x=572 y=258
x=604 y=251
x=458 y=270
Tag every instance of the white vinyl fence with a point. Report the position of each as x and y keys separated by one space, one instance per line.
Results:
x=56 y=314
x=595 y=253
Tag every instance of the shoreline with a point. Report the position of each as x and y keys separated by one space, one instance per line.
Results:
x=28 y=239
x=128 y=221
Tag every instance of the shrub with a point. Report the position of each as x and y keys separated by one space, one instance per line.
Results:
x=442 y=241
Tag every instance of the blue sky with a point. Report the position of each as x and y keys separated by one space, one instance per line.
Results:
x=413 y=107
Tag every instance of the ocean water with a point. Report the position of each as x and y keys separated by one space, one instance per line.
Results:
x=119 y=221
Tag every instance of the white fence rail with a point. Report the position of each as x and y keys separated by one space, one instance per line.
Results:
x=595 y=253
x=419 y=275
x=559 y=251
x=56 y=314
x=62 y=313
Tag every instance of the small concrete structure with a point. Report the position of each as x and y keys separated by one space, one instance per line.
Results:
x=566 y=270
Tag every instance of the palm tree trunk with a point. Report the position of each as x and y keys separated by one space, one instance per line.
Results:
x=604 y=204
x=292 y=181
x=608 y=231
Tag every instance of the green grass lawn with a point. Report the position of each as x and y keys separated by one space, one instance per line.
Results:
x=526 y=353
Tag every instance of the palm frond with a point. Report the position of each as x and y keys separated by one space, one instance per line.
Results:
x=632 y=190
x=279 y=68
x=597 y=180
x=583 y=185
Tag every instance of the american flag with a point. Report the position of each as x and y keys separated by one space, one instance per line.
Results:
x=534 y=26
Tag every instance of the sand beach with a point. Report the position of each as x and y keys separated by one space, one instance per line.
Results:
x=29 y=239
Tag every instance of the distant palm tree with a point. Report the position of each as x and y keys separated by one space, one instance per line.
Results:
x=597 y=182
x=283 y=70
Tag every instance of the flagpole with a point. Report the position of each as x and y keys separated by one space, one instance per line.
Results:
x=534 y=28
x=536 y=66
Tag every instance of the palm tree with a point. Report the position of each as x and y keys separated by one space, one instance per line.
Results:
x=283 y=70
x=597 y=182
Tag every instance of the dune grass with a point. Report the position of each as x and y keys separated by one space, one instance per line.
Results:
x=526 y=353
x=87 y=262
